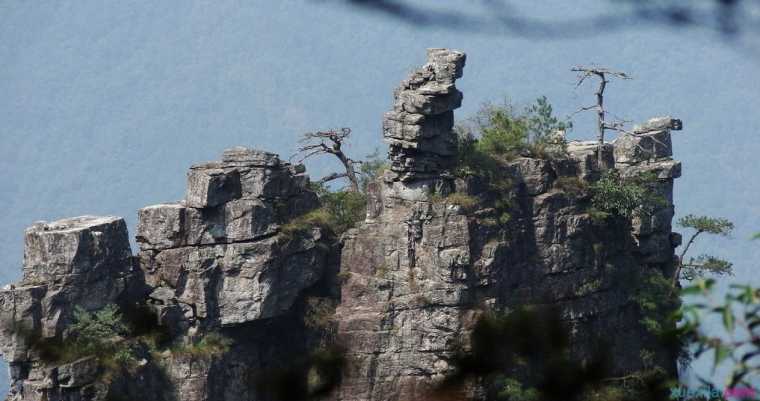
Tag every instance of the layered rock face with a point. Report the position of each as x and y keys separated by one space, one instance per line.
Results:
x=421 y=270
x=83 y=262
x=409 y=283
x=216 y=262
x=419 y=128
x=214 y=259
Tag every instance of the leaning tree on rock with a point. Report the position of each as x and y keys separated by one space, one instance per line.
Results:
x=330 y=143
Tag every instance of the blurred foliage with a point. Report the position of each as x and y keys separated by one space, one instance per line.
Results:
x=526 y=355
x=657 y=301
x=739 y=312
x=307 y=378
x=320 y=313
x=731 y=19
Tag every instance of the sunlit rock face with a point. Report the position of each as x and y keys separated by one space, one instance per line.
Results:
x=216 y=261
x=378 y=314
x=83 y=262
x=421 y=270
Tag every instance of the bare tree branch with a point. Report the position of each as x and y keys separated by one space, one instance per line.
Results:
x=333 y=176
x=603 y=75
x=331 y=143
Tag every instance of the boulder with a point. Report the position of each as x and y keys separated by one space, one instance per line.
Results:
x=209 y=186
x=76 y=248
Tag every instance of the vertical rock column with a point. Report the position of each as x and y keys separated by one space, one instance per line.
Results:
x=649 y=150
x=419 y=129
x=403 y=304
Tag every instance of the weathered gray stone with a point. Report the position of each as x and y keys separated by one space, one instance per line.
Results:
x=664 y=169
x=209 y=186
x=20 y=320
x=419 y=129
x=427 y=105
x=240 y=282
x=86 y=245
x=535 y=174
x=659 y=124
x=584 y=153
x=78 y=373
x=652 y=145
x=161 y=226
x=83 y=262
x=168 y=226
x=250 y=157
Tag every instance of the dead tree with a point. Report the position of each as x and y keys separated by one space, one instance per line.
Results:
x=603 y=74
x=330 y=142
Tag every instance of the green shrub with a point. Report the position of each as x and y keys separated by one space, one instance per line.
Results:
x=501 y=132
x=344 y=209
x=626 y=197
x=97 y=332
x=707 y=224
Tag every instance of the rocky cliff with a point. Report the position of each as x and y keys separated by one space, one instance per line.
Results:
x=378 y=314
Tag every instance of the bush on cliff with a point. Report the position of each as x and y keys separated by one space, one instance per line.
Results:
x=340 y=211
x=613 y=195
x=502 y=132
x=96 y=331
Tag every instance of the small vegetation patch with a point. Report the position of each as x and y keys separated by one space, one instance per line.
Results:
x=572 y=186
x=460 y=199
x=613 y=195
x=371 y=168
x=339 y=212
x=306 y=222
x=209 y=346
